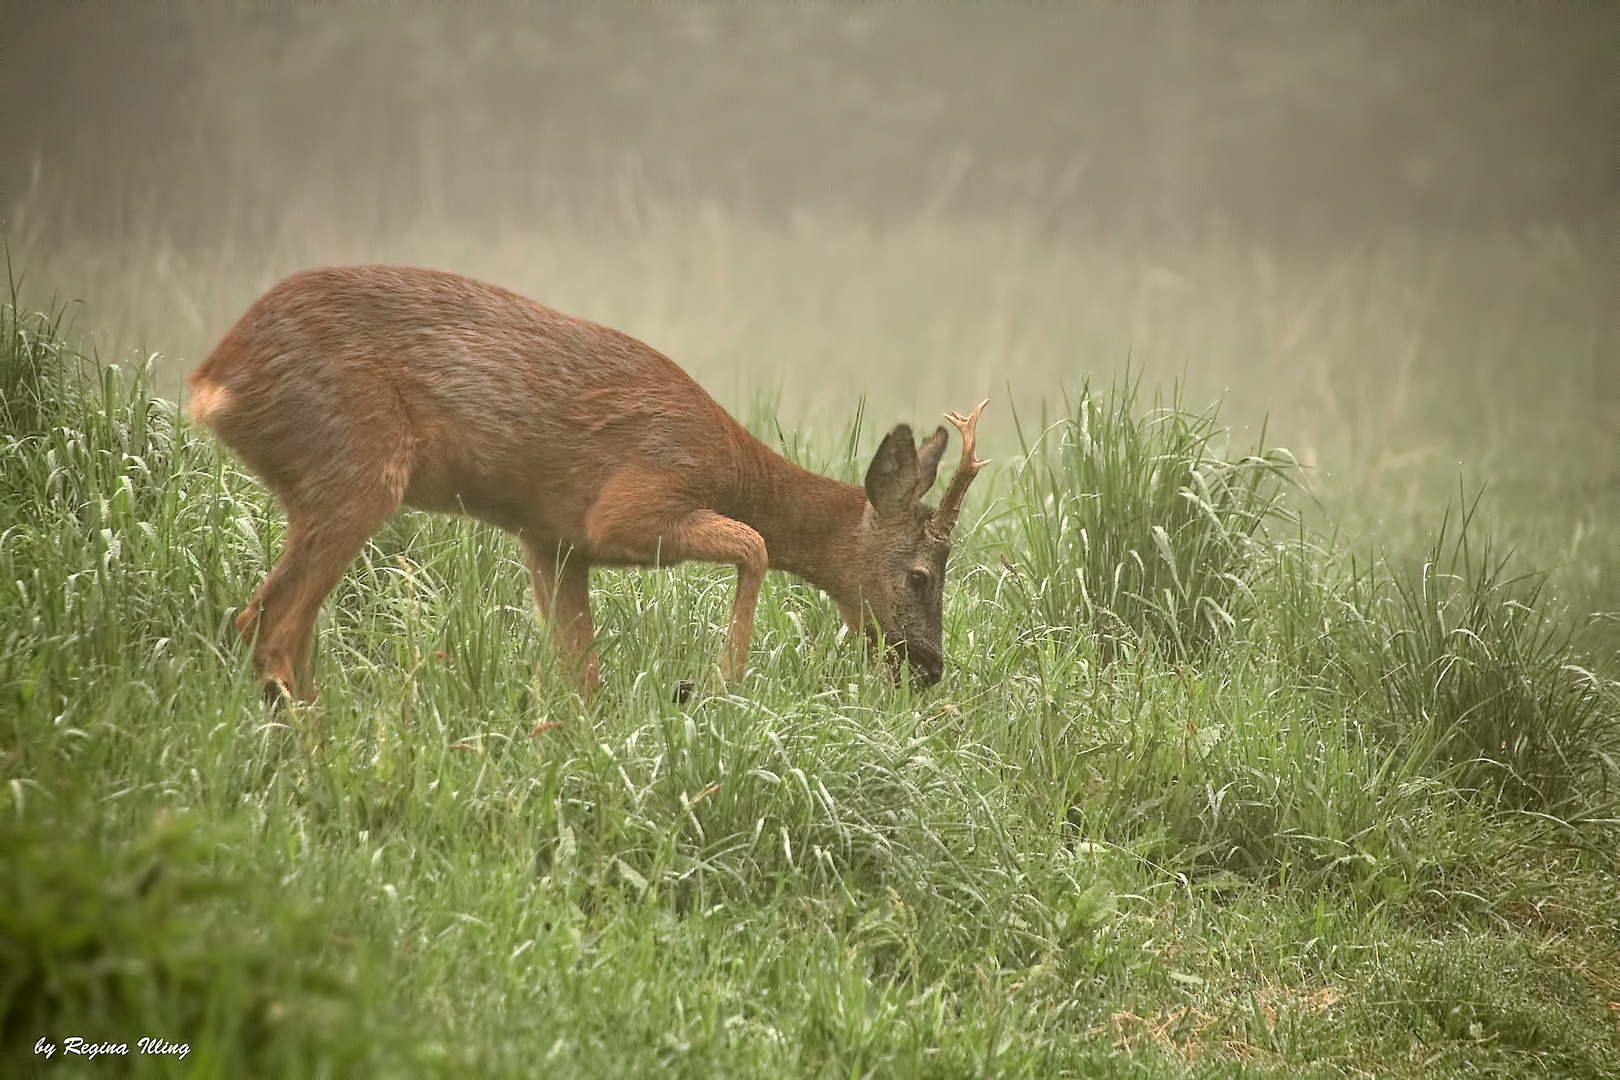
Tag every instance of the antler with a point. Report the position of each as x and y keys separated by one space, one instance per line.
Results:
x=951 y=505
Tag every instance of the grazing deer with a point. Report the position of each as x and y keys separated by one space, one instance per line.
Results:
x=353 y=390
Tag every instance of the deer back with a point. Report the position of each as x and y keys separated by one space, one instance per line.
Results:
x=467 y=397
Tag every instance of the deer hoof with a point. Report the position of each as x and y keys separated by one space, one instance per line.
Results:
x=275 y=692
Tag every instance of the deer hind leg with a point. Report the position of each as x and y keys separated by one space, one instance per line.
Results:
x=280 y=618
x=562 y=591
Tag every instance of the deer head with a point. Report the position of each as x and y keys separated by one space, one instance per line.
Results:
x=908 y=542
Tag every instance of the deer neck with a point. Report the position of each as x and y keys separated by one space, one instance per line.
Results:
x=811 y=523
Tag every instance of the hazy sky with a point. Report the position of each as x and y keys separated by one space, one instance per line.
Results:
x=1277 y=120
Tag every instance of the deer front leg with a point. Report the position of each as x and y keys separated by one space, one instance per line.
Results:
x=710 y=537
x=562 y=591
x=705 y=536
x=630 y=522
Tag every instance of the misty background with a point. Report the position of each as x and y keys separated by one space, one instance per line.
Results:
x=1386 y=232
x=1283 y=122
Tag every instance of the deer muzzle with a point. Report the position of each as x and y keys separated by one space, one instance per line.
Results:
x=927 y=665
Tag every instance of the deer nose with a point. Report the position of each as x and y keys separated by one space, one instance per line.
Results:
x=928 y=667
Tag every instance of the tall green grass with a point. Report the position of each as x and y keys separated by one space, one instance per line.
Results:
x=34 y=369
x=1302 y=815
x=1460 y=655
x=121 y=917
x=1136 y=529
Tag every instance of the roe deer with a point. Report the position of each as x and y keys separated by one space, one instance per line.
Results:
x=350 y=391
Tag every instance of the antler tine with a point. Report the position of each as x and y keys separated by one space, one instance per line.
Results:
x=951 y=505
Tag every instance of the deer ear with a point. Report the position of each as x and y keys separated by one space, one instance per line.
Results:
x=891 y=481
x=928 y=455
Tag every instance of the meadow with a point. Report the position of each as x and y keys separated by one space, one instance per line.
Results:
x=1277 y=736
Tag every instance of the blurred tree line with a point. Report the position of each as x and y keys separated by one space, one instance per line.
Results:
x=1276 y=121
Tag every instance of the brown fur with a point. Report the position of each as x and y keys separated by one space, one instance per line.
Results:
x=352 y=391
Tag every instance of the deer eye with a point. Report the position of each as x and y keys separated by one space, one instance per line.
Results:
x=917 y=579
